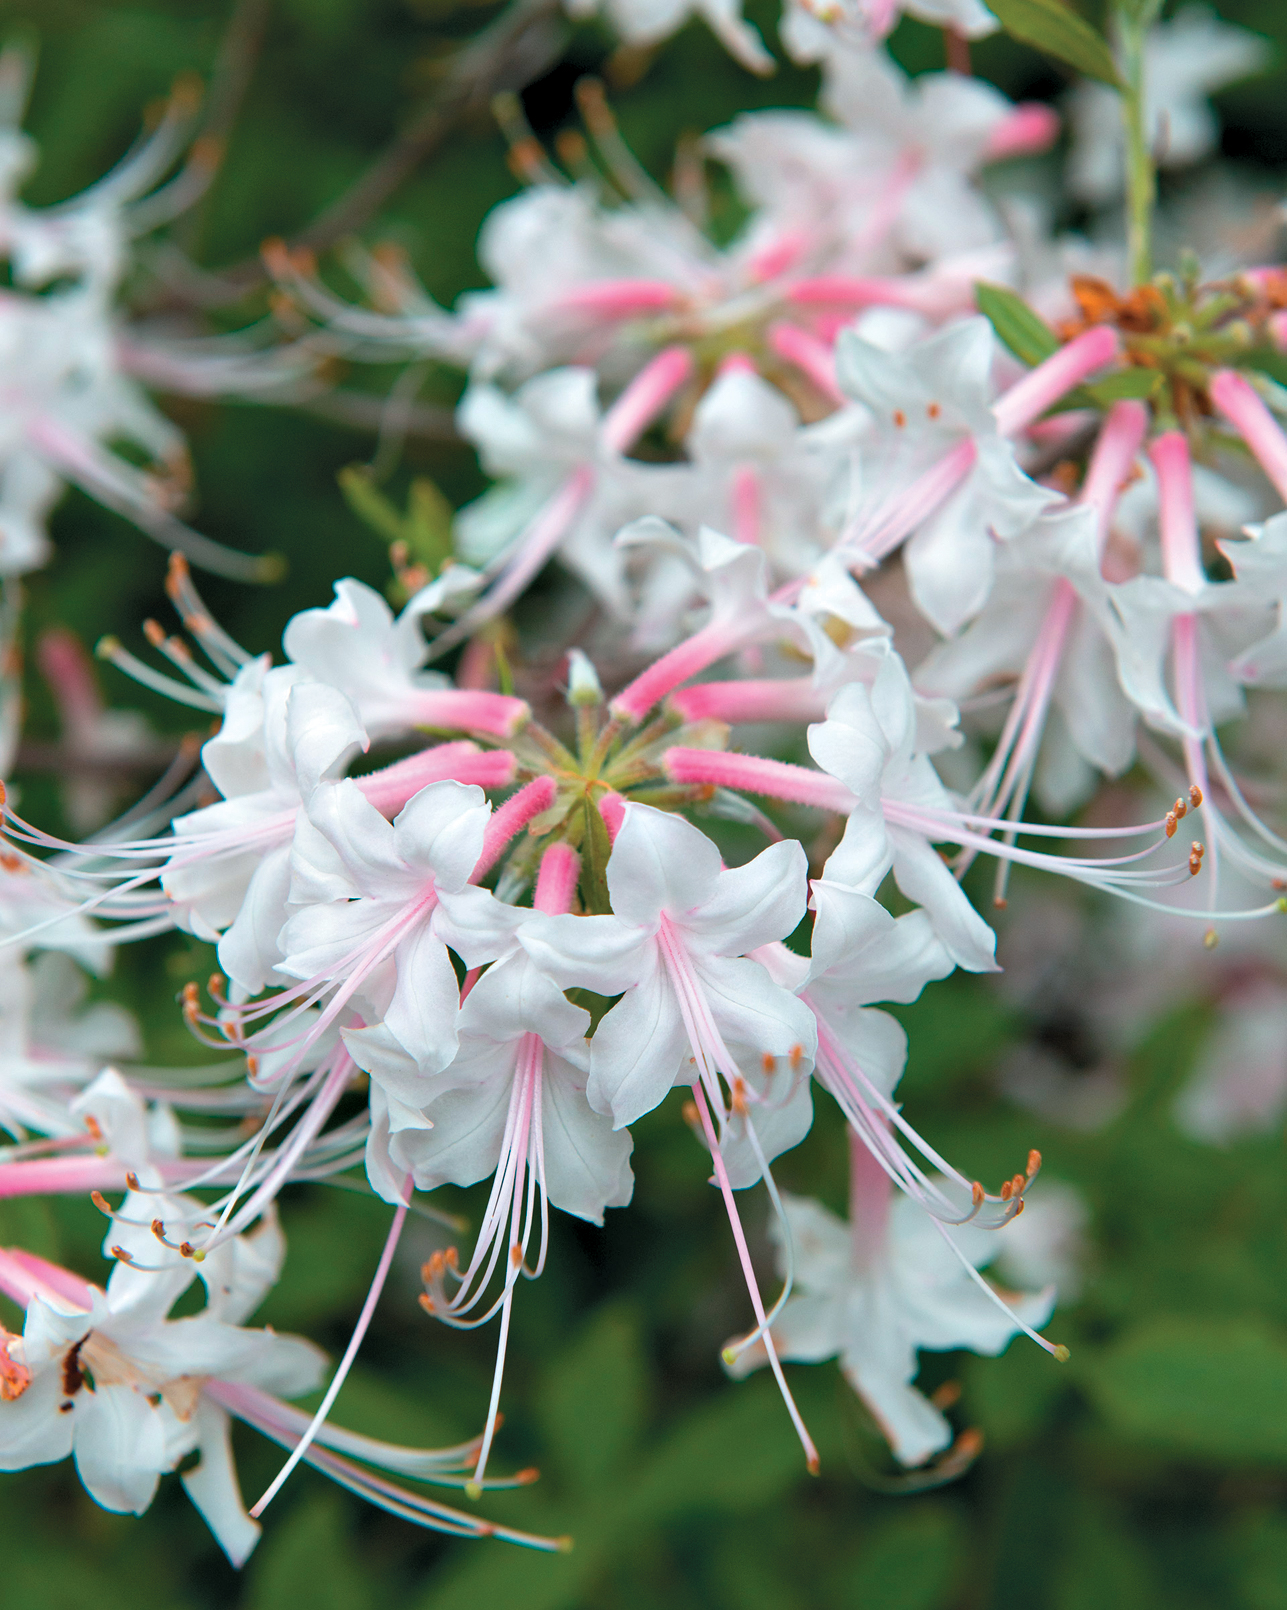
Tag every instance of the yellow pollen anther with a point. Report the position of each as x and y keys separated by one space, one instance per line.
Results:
x=1062 y=1353
x=1211 y=939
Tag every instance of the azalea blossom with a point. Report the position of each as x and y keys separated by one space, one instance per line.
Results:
x=877 y=1290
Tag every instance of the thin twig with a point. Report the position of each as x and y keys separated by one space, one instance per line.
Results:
x=516 y=49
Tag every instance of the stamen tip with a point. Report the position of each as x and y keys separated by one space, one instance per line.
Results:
x=1062 y=1353
x=813 y=1464
x=1211 y=939
x=564 y=1544
x=473 y=1489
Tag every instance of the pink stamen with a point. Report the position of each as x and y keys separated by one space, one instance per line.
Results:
x=807 y=354
x=793 y=699
x=556 y=881
x=511 y=818
x=645 y=397
x=1177 y=520
x=1043 y=386
x=752 y=1285
x=1246 y=411
x=1031 y=127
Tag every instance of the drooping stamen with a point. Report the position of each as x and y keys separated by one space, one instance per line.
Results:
x=350 y=1353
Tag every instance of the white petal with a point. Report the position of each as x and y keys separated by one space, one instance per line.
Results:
x=213 y=1487
x=119 y=1443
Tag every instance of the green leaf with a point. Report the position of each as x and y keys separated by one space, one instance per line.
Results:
x=736 y=1454
x=370 y=504
x=913 y=1561
x=1058 y=31
x=596 y=847
x=593 y=1400
x=428 y=524
x=308 y=1562
x=1137 y=384
x=1259 y=1555
x=1026 y=333
x=1214 y=1388
x=1103 y=1567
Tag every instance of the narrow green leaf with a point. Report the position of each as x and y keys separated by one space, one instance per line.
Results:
x=1058 y=31
x=596 y=847
x=1026 y=333
x=428 y=524
x=1138 y=384
x=370 y=504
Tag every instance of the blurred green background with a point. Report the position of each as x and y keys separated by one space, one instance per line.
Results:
x=1149 y=1471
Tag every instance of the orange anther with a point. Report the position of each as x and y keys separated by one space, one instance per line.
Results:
x=933 y=410
x=154 y=633
x=1034 y=1162
x=1195 y=796
x=1170 y=824
x=426 y=1302
x=186 y=1249
x=1007 y=1191
x=100 y=1202
x=132 y=1180
x=977 y=1193
x=900 y=418
x=1181 y=808
x=158 y=1229
x=768 y=1062
x=516 y=1255
x=796 y=1055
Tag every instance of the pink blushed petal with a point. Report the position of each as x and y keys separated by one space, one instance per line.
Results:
x=645 y=397
x=776 y=778
x=512 y=817
x=1119 y=440
x=793 y=699
x=1181 y=546
x=1031 y=127
x=810 y=356
x=556 y=881
x=1242 y=406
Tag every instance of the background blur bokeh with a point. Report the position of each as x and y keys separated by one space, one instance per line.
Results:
x=1151 y=1470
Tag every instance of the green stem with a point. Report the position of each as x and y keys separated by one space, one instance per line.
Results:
x=1141 y=179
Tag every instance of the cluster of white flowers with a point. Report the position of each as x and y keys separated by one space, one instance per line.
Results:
x=802 y=502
